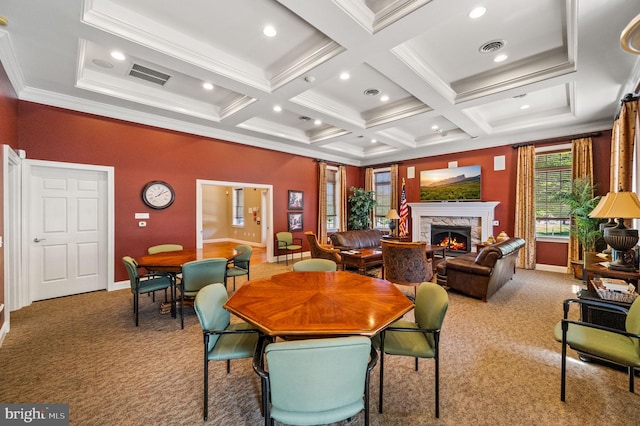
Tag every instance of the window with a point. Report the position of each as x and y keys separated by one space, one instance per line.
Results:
x=238 y=206
x=552 y=175
x=382 y=188
x=333 y=191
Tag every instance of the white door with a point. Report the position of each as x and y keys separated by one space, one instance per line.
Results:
x=67 y=231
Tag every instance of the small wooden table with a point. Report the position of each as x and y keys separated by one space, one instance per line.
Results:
x=432 y=251
x=592 y=266
x=361 y=258
x=316 y=304
x=172 y=261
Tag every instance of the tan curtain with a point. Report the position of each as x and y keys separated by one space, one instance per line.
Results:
x=394 y=187
x=368 y=186
x=342 y=176
x=525 y=226
x=322 y=202
x=581 y=167
x=622 y=141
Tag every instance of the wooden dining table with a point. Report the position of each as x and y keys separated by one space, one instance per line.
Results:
x=319 y=304
x=171 y=262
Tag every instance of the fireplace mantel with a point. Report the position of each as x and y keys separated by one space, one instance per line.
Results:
x=482 y=209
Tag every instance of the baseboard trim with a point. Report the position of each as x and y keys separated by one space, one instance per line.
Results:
x=551 y=268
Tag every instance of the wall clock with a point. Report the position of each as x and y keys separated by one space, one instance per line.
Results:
x=158 y=194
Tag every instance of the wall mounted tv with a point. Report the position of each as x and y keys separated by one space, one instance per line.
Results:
x=453 y=184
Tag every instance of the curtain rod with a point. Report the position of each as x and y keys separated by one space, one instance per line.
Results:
x=558 y=140
x=629 y=97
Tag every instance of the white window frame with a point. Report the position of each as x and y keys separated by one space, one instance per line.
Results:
x=237 y=221
x=384 y=226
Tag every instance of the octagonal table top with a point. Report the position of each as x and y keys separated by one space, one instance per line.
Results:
x=297 y=304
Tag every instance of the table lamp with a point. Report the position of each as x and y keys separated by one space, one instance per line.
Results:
x=620 y=206
x=392 y=215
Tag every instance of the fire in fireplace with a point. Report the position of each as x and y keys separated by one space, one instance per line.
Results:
x=456 y=239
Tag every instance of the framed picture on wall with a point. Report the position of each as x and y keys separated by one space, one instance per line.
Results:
x=295 y=222
x=295 y=200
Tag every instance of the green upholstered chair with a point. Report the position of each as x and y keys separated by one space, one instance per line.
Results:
x=239 y=265
x=315 y=381
x=317 y=265
x=287 y=243
x=197 y=274
x=147 y=283
x=620 y=347
x=222 y=340
x=419 y=339
x=318 y=251
x=164 y=247
x=161 y=248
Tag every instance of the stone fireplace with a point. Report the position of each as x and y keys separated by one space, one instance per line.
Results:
x=456 y=239
x=478 y=216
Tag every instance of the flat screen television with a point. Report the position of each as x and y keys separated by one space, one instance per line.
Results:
x=453 y=184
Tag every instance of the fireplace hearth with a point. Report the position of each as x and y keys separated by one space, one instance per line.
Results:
x=456 y=239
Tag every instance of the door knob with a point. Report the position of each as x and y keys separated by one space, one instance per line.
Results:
x=37 y=240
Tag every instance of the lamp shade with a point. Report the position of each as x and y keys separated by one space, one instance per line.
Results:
x=624 y=205
x=392 y=214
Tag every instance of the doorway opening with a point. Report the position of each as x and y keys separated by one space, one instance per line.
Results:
x=215 y=213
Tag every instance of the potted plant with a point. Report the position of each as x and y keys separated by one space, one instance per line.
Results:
x=362 y=203
x=585 y=229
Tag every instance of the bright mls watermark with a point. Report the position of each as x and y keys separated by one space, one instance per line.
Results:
x=34 y=414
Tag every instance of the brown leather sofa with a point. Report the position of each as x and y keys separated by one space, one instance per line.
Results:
x=481 y=274
x=358 y=239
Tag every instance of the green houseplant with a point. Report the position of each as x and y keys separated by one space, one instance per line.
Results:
x=362 y=203
x=585 y=229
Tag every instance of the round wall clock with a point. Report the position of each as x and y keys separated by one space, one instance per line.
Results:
x=158 y=194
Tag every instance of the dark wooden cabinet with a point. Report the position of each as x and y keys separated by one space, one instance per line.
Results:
x=602 y=316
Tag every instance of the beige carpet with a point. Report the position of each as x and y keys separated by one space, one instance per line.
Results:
x=499 y=365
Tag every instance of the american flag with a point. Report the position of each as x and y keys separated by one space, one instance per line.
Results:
x=404 y=213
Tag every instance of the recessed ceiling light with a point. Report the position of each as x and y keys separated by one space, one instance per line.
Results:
x=477 y=12
x=207 y=85
x=277 y=108
x=500 y=58
x=117 y=55
x=317 y=122
x=269 y=31
x=524 y=107
x=344 y=76
x=434 y=127
x=384 y=98
x=373 y=141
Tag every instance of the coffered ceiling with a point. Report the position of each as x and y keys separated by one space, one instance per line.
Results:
x=422 y=74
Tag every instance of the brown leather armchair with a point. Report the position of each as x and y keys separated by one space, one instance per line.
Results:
x=319 y=251
x=481 y=274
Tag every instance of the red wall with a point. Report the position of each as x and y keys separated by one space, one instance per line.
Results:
x=141 y=153
x=501 y=185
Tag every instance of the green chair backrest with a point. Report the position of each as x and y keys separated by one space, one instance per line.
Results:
x=164 y=247
x=242 y=260
x=317 y=265
x=286 y=237
x=209 y=310
x=432 y=302
x=317 y=375
x=199 y=273
x=632 y=323
x=132 y=270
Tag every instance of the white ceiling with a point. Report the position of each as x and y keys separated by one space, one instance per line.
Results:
x=564 y=61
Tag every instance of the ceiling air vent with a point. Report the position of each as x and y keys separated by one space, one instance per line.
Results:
x=371 y=92
x=148 y=74
x=492 y=46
